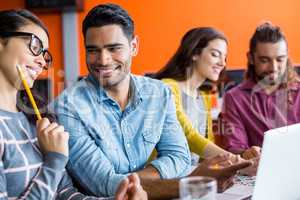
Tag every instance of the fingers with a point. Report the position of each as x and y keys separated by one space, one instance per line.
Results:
x=255 y=161
x=217 y=159
x=64 y=135
x=224 y=184
x=136 y=192
x=222 y=164
x=47 y=127
x=231 y=170
x=54 y=128
x=134 y=178
x=251 y=170
x=256 y=151
x=122 y=190
x=42 y=124
x=252 y=152
x=236 y=158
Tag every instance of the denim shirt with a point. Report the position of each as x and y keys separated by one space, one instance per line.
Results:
x=106 y=143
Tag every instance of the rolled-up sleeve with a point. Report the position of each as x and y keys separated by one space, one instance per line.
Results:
x=173 y=159
x=87 y=162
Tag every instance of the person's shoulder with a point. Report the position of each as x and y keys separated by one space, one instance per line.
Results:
x=149 y=85
x=77 y=88
x=76 y=94
x=239 y=89
x=169 y=81
x=172 y=83
x=146 y=79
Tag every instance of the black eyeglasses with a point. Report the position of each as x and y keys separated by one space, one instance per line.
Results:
x=35 y=45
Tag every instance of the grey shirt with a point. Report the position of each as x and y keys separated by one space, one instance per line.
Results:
x=194 y=108
x=26 y=173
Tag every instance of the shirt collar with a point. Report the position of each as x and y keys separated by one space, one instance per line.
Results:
x=247 y=85
x=136 y=89
x=100 y=91
x=254 y=87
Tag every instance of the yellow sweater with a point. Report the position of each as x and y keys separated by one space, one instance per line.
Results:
x=196 y=141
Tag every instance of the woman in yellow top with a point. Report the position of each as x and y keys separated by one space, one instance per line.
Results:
x=200 y=56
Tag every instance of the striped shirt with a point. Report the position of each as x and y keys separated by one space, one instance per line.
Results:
x=25 y=173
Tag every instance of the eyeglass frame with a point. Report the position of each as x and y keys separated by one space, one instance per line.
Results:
x=32 y=36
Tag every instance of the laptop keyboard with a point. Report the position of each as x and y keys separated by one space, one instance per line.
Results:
x=244 y=180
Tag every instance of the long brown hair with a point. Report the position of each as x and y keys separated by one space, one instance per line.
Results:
x=179 y=67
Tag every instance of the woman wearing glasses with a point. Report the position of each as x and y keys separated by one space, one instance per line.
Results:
x=33 y=154
x=201 y=56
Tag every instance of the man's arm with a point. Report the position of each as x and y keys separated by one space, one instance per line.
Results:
x=156 y=187
x=173 y=155
x=173 y=158
x=169 y=189
x=88 y=165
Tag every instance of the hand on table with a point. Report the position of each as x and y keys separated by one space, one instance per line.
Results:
x=131 y=189
x=221 y=168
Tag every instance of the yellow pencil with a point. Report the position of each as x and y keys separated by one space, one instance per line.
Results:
x=32 y=101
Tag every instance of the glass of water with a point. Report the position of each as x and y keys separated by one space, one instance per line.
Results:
x=198 y=187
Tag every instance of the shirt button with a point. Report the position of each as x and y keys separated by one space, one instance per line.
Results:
x=134 y=166
x=128 y=145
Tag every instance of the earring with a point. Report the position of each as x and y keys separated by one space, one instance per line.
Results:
x=194 y=58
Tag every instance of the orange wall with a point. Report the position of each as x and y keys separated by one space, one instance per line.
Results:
x=53 y=23
x=160 y=24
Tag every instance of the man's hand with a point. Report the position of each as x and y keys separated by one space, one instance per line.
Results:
x=221 y=168
x=252 y=152
x=131 y=189
x=251 y=170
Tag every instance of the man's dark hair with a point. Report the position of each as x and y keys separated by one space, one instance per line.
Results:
x=108 y=14
x=264 y=33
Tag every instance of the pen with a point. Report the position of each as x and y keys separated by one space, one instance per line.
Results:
x=32 y=101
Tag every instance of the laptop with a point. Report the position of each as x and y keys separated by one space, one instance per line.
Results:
x=278 y=175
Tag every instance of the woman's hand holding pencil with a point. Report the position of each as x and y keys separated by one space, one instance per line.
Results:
x=52 y=137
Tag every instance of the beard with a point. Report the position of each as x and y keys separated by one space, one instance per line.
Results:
x=271 y=78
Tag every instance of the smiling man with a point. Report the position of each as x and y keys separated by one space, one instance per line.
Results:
x=116 y=119
x=267 y=99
